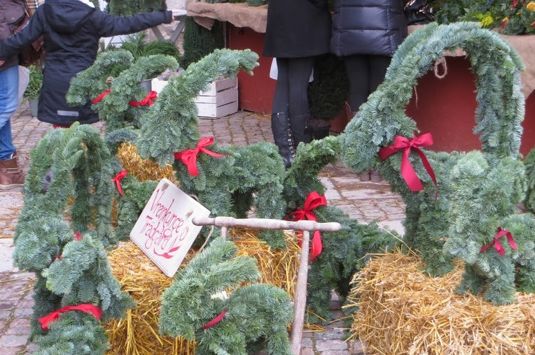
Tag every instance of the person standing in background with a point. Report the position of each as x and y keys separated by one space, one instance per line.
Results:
x=297 y=31
x=366 y=33
x=72 y=30
x=12 y=15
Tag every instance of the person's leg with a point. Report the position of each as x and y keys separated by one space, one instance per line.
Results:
x=299 y=70
x=280 y=98
x=357 y=70
x=357 y=73
x=279 y=116
x=9 y=84
x=10 y=174
x=378 y=64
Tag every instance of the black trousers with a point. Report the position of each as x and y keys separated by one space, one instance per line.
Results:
x=291 y=91
x=365 y=73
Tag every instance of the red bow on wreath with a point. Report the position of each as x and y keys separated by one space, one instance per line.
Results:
x=313 y=201
x=407 y=170
x=217 y=319
x=85 y=308
x=146 y=101
x=117 y=180
x=497 y=244
x=189 y=156
x=101 y=96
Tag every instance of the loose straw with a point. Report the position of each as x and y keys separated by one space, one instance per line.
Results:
x=403 y=311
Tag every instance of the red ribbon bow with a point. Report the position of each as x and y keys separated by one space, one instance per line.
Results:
x=313 y=201
x=189 y=156
x=407 y=170
x=217 y=319
x=117 y=180
x=53 y=316
x=77 y=236
x=146 y=101
x=101 y=97
x=497 y=244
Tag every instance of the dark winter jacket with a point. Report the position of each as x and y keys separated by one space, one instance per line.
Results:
x=71 y=33
x=367 y=27
x=297 y=28
x=11 y=16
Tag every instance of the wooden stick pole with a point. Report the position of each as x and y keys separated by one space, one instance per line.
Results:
x=300 y=300
x=265 y=223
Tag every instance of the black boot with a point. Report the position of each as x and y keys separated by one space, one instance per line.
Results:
x=300 y=130
x=280 y=126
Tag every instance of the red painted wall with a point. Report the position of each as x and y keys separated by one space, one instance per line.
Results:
x=256 y=92
x=446 y=108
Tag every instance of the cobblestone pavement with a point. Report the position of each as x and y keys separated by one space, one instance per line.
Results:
x=365 y=201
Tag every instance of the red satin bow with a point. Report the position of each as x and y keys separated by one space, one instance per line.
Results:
x=217 y=319
x=53 y=316
x=146 y=101
x=407 y=170
x=101 y=97
x=189 y=156
x=117 y=180
x=497 y=244
x=77 y=236
x=313 y=201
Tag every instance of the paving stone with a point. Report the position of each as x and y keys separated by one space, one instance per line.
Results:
x=11 y=341
x=307 y=351
x=307 y=343
x=19 y=327
x=14 y=351
x=330 y=345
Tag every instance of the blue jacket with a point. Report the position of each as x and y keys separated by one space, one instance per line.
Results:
x=367 y=27
x=71 y=31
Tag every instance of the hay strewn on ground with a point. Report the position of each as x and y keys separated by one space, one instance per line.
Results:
x=403 y=311
x=140 y=168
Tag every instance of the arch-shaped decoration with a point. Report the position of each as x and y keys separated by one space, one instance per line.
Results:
x=383 y=136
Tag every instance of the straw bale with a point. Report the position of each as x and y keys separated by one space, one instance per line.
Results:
x=142 y=169
x=277 y=267
x=403 y=311
x=137 y=333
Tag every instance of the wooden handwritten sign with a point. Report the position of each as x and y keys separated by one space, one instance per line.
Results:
x=164 y=230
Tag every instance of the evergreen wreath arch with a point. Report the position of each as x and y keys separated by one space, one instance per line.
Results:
x=88 y=84
x=74 y=282
x=433 y=221
x=116 y=108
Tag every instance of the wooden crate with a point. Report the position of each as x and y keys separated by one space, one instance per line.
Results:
x=218 y=100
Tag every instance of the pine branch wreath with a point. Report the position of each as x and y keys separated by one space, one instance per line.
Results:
x=459 y=212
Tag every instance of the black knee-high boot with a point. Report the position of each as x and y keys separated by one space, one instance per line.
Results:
x=300 y=130
x=280 y=126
